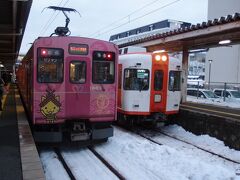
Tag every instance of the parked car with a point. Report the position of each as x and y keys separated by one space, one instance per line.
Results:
x=203 y=93
x=195 y=81
x=229 y=93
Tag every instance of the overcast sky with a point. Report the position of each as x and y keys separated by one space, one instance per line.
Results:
x=103 y=18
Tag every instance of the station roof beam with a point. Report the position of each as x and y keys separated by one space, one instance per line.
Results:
x=13 y=19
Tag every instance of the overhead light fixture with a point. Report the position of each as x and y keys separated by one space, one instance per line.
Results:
x=225 y=42
x=159 y=51
x=1 y=65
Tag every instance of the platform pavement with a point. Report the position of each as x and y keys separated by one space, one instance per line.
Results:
x=18 y=154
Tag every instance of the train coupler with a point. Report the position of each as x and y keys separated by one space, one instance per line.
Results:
x=79 y=132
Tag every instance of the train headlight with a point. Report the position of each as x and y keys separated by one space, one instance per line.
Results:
x=158 y=57
x=164 y=58
x=157 y=98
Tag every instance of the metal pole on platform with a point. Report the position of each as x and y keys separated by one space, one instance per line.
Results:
x=1 y=66
x=209 y=78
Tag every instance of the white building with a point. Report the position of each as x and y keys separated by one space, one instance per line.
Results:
x=225 y=66
x=147 y=30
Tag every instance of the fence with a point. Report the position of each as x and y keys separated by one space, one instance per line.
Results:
x=221 y=89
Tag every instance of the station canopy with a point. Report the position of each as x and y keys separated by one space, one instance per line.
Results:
x=13 y=19
x=204 y=35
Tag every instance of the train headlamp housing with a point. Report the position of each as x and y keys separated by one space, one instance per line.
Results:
x=157 y=98
x=164 y=58
x=160 y=57
x=157 y=57
x=43 y=52
x=103 y=56
x=50 y=52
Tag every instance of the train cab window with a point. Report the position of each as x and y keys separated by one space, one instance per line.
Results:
x=136 y=79
x=158 y=80
x=50 y=65
x=77 y=72
x=174 y=81
x=103 y=67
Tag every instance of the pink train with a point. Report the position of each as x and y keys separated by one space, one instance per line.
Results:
x=68 y=86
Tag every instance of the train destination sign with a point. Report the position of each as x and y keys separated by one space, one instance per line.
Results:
x=78 y=49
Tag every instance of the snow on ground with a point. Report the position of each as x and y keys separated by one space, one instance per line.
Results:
x=204 y=141
x=138 y=158
x=85 y=165
x=53 y=168
x=220 y=102
x=188 y=148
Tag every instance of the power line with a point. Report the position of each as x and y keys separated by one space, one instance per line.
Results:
x=45 y=26
x=127 y=16
x=55 y=17
x=138 y=18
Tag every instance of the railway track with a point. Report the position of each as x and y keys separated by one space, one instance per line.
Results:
x=139 y=130
x=102 y=159
x=203 y=149
x=66 y=167
x=107 y=164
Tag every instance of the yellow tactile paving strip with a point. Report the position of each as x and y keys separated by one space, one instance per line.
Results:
x=31 y=164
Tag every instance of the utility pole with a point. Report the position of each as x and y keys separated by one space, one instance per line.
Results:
x=209 y=78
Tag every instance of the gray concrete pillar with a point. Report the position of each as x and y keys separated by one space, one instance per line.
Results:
x=184 y=74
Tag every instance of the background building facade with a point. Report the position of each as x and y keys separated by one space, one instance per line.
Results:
x=225 y=66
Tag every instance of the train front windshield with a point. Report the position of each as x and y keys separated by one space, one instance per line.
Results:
x=103 y=67
x=136 y=79
x=174 y=81
x=50 y=65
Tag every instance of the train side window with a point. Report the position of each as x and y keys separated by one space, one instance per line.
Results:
x=120 y=51
x=50 y=65
x=158 y=80
x=125 y=51
x=174 y=81
x=77 y=72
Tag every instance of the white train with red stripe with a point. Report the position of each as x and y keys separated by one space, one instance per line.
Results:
x=149 y=86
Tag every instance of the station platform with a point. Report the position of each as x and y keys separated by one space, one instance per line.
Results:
x=19 y=158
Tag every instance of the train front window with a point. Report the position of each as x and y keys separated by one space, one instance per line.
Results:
x=103 y=69
x=78 y=72
x=174 y=81
x=50 y=65
x=158 y=80
x=136 y=79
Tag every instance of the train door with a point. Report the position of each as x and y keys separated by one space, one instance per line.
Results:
x=77 y=87
x=119 y=100
x=159 y=82
x=136 y=88
x=158 y=90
